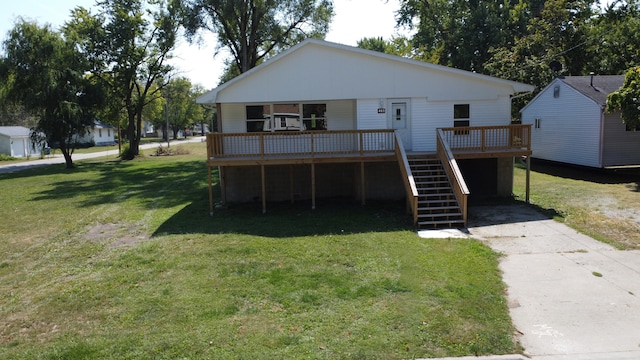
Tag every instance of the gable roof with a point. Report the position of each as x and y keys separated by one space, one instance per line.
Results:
x=316 y=69
x=596 y=89
x=15 y=131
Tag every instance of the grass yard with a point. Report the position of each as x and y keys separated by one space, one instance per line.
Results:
x=121 y=260
x=602 y=204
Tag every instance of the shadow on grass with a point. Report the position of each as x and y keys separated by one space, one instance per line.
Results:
x=283 y=220
x=164 y=184
x=600 y=176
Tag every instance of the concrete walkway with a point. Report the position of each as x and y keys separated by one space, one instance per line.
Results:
x=570 y=296
x=109 y=154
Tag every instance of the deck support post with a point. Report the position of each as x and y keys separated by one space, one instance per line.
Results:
x=362 y=182
x=210 y=191
x=223 y=184
x=291 y=190
x=313 y=186
x=528 y=181
x=264 y=190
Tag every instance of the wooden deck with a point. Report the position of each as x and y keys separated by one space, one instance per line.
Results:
x=365 y=146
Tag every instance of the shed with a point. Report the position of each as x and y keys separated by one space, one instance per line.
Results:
x=570 y=124
x=15 y=141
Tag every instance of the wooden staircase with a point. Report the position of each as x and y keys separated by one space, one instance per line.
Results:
x=437 y=204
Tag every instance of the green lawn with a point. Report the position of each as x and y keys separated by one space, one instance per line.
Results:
x=121 y=260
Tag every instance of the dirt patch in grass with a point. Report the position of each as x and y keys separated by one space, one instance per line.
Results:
x=604 y=204
x=117 y=234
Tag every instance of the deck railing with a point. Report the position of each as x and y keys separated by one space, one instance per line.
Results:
x=488 y=138
x=299 y=143
x=409 y=182
x=453 y=173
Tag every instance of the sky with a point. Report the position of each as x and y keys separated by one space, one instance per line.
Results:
x=353 y=20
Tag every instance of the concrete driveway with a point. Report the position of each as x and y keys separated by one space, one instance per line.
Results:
x=570 y=296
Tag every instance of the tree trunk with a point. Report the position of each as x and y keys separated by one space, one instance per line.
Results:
x=67 y=157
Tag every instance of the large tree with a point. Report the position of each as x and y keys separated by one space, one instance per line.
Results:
x=181 y=105
x=558 y=32
x=254 y=29
x=615 y=36
x=44 y=72
x=129 y=43
x=460 y=33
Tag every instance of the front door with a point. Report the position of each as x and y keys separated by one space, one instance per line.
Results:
x=400 y=122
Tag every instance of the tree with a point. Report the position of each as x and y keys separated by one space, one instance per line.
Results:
x=460 y=33
x=559 y=32
x=129 y=43
x=615 y=38
x=627 y=99
x=45 y=73
x=252 y=30
x=398 y=45
x=181 y=106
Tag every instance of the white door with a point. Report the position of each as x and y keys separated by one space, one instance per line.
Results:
x=401 y=123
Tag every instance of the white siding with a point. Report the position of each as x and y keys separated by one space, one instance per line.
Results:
x=368 y=117
x=430 y=115
x=341 y=115
x=350 y=73
x=234 y=118
x=620 y=146
x=569 y=126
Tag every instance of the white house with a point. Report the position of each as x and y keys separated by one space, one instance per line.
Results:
x=351 y=103
x=570 y=124
x=15 y=141
x=99 y=134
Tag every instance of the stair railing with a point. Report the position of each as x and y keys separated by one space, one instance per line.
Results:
x=453 y=173
x=409 y=181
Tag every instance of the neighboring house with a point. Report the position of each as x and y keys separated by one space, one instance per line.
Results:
x=99 y=134
x=368 y=129
x=570 y=124
x=15 y=141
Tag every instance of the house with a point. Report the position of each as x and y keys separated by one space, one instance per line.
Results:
x=570 y=124
x=372 y=126
x=15 y=141
x=99 y=134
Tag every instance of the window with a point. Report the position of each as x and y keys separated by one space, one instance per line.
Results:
x=537 y=123
x=630 y=127
x=313 y=116
x=461 y=118
x=99 y=132
x=255 y=118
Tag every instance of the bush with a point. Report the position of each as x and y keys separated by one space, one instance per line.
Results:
x=5 y=157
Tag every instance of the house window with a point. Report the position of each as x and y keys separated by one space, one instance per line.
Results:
x=537 y=123
x=108 y=132
x=630 y=127
x=255 y=118
x=99 y=132
x=556 y=91
x=314 y=116
x=461 y=118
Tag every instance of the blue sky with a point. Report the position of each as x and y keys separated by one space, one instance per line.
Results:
x=354 y=20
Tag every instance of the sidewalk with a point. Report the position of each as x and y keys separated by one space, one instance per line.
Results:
x=570 y=296
x=109 y=154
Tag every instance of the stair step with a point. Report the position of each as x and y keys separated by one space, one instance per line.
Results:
x=438 y=208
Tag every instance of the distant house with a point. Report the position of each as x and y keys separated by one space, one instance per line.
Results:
x=15 y=141
x=329 y=120
x=99 y=134
x=570 y=124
